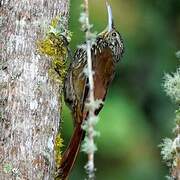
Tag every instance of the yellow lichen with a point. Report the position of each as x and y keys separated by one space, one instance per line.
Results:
x=58 y=145
x=55 y=45
x=54 y=22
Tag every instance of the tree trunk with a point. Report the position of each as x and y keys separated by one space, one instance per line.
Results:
x=29 y=99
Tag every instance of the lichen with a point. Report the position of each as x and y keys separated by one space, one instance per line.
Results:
x=55 y=45
x=170 y=148
x=58 y=152
x=167 y=151
x=7 y=168
x=15 y=172
x=172 y=85
x=178 y=54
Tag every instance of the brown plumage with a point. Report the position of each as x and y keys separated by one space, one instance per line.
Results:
x=106 y=51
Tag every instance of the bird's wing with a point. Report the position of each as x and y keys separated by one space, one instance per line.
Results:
x=80 y=83
x=104 y=68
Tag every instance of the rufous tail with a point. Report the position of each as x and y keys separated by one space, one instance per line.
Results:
x=71 y=152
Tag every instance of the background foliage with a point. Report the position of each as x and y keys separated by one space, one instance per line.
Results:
x=137 y=113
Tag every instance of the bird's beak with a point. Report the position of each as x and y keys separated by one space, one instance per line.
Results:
x=110 y=17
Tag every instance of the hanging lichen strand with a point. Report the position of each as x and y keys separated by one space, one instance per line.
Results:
x=171 y=147
x=88 y=145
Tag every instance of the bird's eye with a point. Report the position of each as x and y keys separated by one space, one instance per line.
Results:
x=114 y=34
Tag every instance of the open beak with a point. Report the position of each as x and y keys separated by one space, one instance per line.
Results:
x=110 y=17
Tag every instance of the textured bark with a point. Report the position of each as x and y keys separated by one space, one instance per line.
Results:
x=29 y=99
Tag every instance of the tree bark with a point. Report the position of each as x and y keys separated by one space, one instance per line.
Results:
x=29 y=99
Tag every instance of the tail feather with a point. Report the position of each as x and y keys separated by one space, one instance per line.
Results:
x=71 y=152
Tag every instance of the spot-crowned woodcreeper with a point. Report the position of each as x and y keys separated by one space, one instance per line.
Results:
x=106 y=52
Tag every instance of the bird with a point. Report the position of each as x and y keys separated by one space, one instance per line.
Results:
x=106 y=51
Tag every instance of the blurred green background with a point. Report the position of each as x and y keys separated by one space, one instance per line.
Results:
x=137 y=114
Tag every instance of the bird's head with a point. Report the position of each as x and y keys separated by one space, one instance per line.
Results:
x=113 y=37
